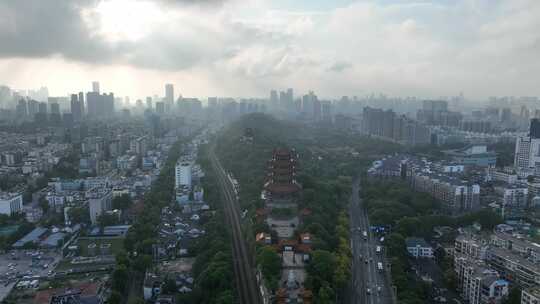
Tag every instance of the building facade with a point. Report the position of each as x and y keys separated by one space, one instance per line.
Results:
x=11 y=203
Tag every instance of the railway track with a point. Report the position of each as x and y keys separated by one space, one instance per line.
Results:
x=245 y=277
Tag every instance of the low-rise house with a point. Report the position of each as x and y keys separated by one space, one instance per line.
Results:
x=263 y=238
x=152 y=285
x=419 y=248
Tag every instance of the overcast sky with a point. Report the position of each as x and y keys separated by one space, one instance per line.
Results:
x=246 y=47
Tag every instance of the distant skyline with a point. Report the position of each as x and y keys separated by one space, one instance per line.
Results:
x=247 y=47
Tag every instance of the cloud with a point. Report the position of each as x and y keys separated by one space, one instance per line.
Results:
x=71 y=29
x=35 y=28
x=432 y=48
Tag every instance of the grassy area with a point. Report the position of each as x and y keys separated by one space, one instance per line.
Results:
x=117 y=245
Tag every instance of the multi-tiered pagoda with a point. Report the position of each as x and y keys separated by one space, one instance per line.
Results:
x=281 y=186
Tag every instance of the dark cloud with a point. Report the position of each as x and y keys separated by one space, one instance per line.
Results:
x=37 y=28
x=40 y=29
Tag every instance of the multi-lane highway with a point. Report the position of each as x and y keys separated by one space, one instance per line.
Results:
x=370 y=284
x=246 y=282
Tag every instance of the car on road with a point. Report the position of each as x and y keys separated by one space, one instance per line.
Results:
x=366 y=261
x=378 y=249
x=379 y=289
x=368 y=291
x=365 y=235
x=379 y=266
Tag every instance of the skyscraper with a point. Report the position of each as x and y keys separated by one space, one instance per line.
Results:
x=169 y=96
x=22 y=111
x=527 y=152
x=149 y=103
x=100 y=105
x=93 y=104
x=76 y=110
x=535 y=128
x=95 y=87
x=42 y=108
x=33 y=108
x=273 y=99
x=81 y=101
x=160 y=107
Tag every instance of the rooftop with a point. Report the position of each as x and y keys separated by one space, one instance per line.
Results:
x=8 y=195
x=416 y=242
x=32 y=236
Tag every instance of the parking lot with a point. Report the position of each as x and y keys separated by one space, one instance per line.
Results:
x=24 y=264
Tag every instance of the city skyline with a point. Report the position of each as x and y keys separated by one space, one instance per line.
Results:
x=232 y=48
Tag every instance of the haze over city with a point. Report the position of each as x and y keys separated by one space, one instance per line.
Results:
x=243 y=48
x=269 y=152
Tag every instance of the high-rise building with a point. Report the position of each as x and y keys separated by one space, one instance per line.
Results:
x=160 y=107
x=388 y=125
x=22 y=110
x=42 y=107
x=435 y=112
x=327 y=111
x=149 y=102
x=76 y=110
x=309 y=104
x=183 y=174
x=100 y=106
x=33 y=108
x=273 y=99
x=93 y=103
x=169 y=95
x=290 y=99
x=317 y=109
x=5 y=96
x=11 y=203
x=95 y=87
x=99 y=201
x=534 y=130
x=527 y=152
x=506 y=115
x=55 y=108
x=81 y=102
x=435 y=105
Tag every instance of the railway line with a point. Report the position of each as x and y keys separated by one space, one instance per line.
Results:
x=245 y=277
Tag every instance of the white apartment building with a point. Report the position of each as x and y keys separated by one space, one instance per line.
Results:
x=511 y=264
x=10 y=203
x=419 y=248
x=99 y=201
x=477 y=283
x=530 y=295
x=470 y=247
x=515 y=196
x=527 y=155
x=183 y=174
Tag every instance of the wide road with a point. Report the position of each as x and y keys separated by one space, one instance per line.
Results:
x=246 y=283
x=369 y=285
